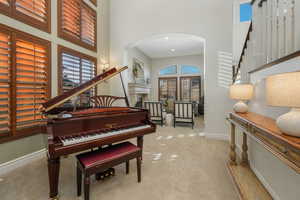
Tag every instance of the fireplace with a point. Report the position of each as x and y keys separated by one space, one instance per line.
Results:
x=138 y=94
x=141 y=98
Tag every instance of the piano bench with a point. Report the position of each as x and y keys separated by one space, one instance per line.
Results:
x=94 y=162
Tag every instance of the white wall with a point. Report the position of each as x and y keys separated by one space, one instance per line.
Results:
x=9 y=150
x=158 y=64
x=281 y=181
x=135 y=20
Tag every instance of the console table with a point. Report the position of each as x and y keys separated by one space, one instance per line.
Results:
x=263 y=130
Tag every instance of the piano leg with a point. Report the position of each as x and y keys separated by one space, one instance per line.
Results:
x=53 y=172
x=140 y=143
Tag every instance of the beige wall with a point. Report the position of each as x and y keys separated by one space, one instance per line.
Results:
x=12 y=150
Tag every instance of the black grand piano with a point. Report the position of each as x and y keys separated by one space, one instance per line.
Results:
x=72 y=131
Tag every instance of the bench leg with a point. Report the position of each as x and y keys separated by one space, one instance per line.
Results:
x=138 y=163
x=79 y=181
x=127 y=167
x=86 y=187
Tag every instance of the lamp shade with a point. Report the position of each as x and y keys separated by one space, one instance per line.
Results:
x=241 y=91
x=284 y=90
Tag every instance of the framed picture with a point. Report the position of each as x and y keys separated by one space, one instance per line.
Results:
x=138 y=71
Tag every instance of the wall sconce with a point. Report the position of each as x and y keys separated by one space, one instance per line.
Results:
x=105 y=67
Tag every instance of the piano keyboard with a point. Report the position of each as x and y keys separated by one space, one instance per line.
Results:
x=86 y=138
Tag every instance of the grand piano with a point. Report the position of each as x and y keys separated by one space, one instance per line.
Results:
x=70 y=131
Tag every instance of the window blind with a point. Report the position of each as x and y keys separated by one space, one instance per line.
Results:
x=88 y=19
x=5 y=2
x=36 y=9
x=76 y=70
x=71 y=17
x=5 y=82
x=31 y=82
x=36 y=13
x=77 y=23
x=24 y=82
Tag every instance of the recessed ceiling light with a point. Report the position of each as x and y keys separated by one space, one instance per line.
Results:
x=172 y=50
x=166 y=38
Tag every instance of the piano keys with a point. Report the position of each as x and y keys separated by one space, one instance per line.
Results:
x=72 y=131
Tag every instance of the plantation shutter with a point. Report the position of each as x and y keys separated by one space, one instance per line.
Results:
x=5 y=2
x=5 y=82
x=76 y=71
x=31 y=82
x=36 y=9
x=71 y=17
x=88 y=26
x=78 y=23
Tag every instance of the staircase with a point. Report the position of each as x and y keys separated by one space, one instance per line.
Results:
x=273 y=36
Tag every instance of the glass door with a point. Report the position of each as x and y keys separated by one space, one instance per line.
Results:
x=167 y=89
x=190 y=88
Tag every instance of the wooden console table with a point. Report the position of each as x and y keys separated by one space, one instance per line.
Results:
x=263 y=130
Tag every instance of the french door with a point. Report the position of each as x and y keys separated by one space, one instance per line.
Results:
x=167 y=88
x=190 y=88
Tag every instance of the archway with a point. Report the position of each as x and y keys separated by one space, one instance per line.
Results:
x=128 y=60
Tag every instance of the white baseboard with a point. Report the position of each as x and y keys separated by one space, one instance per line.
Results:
x=216 y=136
x=21 y=161
x=259 y=176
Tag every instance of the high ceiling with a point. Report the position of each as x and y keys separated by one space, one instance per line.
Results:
x=171 y=45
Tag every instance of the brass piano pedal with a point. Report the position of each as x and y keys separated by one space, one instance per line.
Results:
x=54 y=198
x=106 y=174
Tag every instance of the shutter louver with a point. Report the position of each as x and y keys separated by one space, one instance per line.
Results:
x=5 y=67
x=88 y=20
x=5 y=2
x=76 y=71
x=31 y=83
x=71 y=17
x=78 y=23
x=33 y=8
x=87 y=72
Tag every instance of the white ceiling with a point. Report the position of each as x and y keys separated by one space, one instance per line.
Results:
x=171 y=45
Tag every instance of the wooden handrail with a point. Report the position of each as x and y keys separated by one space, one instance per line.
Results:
x=259 y=4
x=236 y=69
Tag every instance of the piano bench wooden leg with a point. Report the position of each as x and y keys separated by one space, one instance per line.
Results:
x=79 y=181
x=127 y=167
x=139 y=168
x=86 y=187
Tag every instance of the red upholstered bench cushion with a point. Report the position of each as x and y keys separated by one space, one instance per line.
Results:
x=107 y=154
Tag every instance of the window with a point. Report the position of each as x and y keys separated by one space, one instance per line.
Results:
x=245 y=12
x=167 y=89
x=32 y=12
x=190 y=88
x=168 y=70
x=24 y=82
x=75 y=69
x=77 y=23
x=188 y=69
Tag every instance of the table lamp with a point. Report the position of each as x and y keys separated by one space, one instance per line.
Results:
x=241 y=92
x=283 y=90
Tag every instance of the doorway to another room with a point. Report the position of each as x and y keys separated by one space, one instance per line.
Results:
x=166 y=76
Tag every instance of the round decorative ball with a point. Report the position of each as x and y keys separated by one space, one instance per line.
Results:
x=289 y=123
x=240 y=107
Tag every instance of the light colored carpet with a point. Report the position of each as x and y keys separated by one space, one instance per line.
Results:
x=178 y=165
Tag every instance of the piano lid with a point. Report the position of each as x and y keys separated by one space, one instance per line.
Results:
x=60 y=99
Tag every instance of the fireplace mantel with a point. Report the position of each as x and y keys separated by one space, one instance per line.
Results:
x=138 y=92
x=138 y=88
